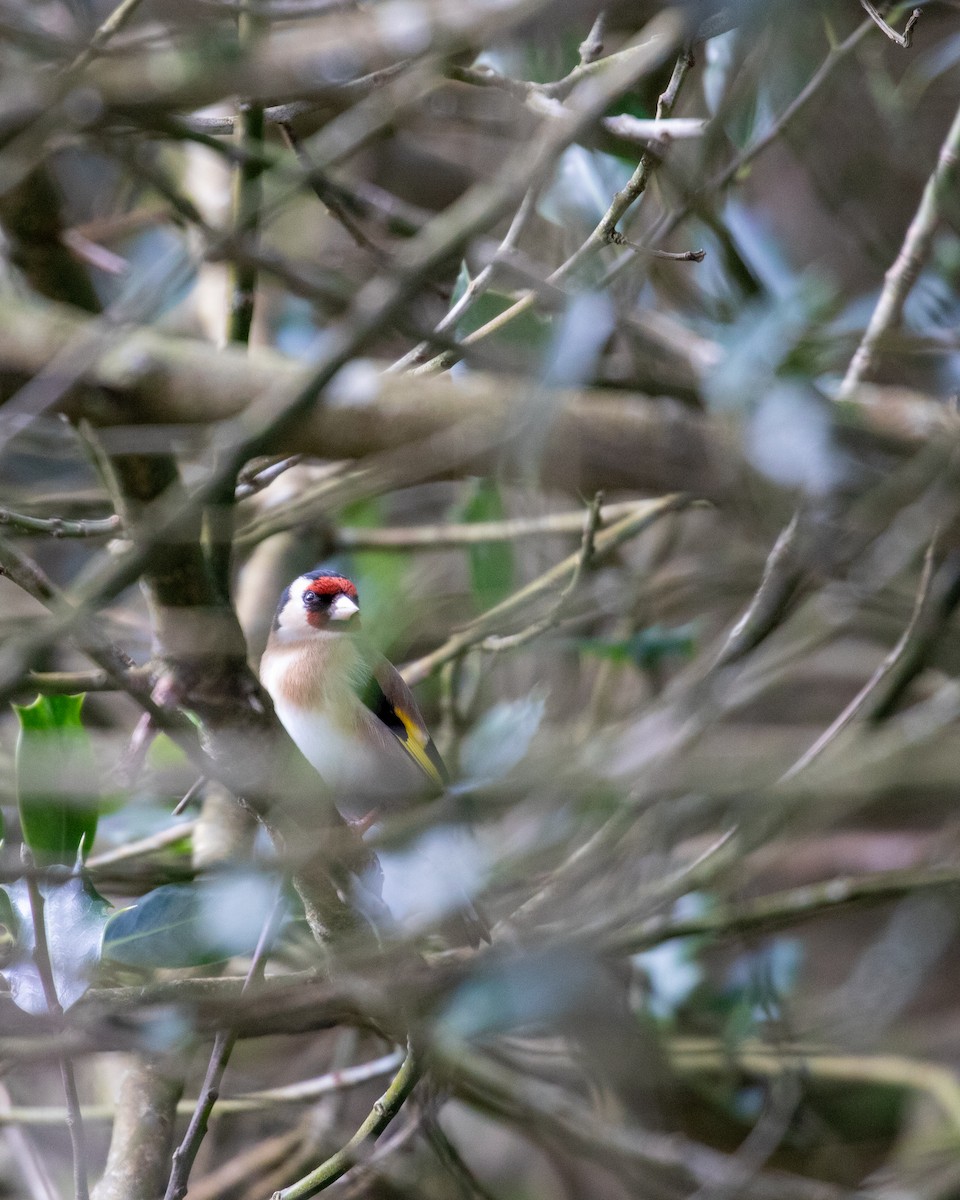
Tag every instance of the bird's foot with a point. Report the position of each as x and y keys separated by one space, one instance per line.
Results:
x=361 y=825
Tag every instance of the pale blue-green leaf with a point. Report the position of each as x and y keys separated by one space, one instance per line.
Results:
x=185 y=925
x=760 y=249
x=501 y=738
x=789 y=438
x=461 y=284
x=74 y=919
x=758 y=343
x=581 y=188
x=672 y=976
x=517 y=992
x=578 y=341
x=720 y=59
x=433 y=876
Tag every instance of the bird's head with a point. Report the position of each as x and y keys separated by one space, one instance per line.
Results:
x=318 y=603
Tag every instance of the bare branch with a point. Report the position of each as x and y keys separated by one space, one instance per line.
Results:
x=902 y=39
x=560 y=575
x=383 y=1112
x=60 y=527
x=186 y=1153
x=913 y=254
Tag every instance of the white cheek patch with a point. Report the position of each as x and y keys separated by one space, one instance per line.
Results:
x=293 y=617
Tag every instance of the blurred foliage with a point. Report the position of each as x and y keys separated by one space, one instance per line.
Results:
x=702 y=793
x=492 y=572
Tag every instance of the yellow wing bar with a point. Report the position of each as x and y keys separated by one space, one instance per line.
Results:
x=418 y=745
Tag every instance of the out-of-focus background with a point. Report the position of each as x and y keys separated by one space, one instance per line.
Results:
x=612 y=351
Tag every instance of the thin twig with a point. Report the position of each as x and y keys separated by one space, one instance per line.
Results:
x=478 y=284
x=44 y=967
x=902 y=39
x=943 y=603
x=883 y=671
x=634 y=188
x=189 y=795
x=105 y=31
x=591 y=48
x=780 y=910
x=558 y=576
x=601 y=236
x=584 y=560
x=248 y=192
x=903 y=274
x=248 y=1166
x=771 y=601
x=704 y=1056
x=446 y=536
x=219 y=513
x=450 y=1156
x=249 y=484
x=305 y=1092
x=27 y=1156
x=326 y=193
x=225 y=1040
x=617 y=239
x=60 y=527
x=142 y=846
x=380 y=1116
x=358 y=1183
x=32 y=579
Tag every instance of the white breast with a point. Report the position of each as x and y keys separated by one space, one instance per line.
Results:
x=361 y=773
x=342 y=760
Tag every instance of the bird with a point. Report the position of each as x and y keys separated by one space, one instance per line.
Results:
x=349 y=711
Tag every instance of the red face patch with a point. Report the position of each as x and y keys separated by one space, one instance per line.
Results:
x=332 y=585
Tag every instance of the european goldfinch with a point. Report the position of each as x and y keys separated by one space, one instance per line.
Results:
x=348 y=709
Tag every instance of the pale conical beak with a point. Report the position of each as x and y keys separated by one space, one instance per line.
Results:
x=343 y=608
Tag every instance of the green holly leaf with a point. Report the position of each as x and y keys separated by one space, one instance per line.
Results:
x=57 y=788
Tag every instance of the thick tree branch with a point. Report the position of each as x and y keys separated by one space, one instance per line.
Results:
x=600 y=439
x=142 y=1137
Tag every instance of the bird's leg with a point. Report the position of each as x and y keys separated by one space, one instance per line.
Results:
x=362 y=824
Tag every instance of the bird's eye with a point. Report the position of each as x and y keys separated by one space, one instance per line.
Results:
x=312 y=600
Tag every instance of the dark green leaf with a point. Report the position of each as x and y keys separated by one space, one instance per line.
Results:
x=491 y=563
x=188 y=925
x=528 y=330
x=57 y=790
x=647 y=648
x=74 y=917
